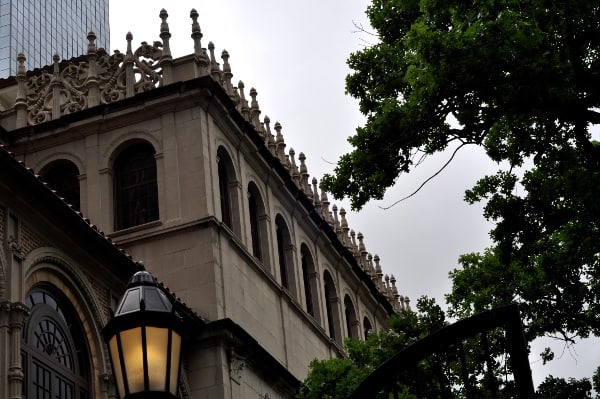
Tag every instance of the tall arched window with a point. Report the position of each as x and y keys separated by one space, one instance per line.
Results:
x=309 y=278
x=54 y=353
x=228 y=191
x=136 y=190
x=352 y=323
x=63 y=177
x=285 y=251
x=259 y=224
x=331 y=307
x=367 y=327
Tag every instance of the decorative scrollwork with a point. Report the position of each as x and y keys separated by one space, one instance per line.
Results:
x=74 y=81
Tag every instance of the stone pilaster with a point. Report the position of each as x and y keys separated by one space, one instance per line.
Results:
x=18 y=314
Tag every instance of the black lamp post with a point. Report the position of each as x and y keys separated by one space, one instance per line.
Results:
x=144 y=341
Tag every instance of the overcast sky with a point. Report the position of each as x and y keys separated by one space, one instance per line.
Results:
x=294 y=53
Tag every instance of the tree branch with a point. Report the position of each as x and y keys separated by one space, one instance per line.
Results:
x=427 y=180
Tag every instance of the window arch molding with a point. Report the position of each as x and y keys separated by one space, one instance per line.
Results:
x=49 y=267
x=259 y=221
x=44 y=162
x=124 y=140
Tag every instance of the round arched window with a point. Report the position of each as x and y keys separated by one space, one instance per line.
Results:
x=54 y=353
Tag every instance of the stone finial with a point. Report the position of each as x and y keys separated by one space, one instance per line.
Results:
x=56 y=59
x=304 y=175
x=200 y=56
x=355 y=250
x=215 y=71
x=316 y=196
x=165 y=34
x=244 y=109
x=196 y=33
x=279 y=143
x=294 y=168
x=254 y=110
x=370 y=268
x=287 y=164
x=129 y=74
x=91 y=36
x=379 y=272
x=92 y=78
x=361 y=244
x=269 y=138
x=345 y=229
x=20 y=101
x=336 y=222
x=129 y=38
x=227 y=75
x=325 y=207
x=166 y=60
x=56 y=83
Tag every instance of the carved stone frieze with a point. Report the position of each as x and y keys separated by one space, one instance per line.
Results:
x=69 y=86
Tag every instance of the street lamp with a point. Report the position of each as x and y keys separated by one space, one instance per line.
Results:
x=144 y=341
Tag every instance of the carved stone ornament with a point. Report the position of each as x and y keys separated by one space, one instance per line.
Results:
x=237 y=364
x=110 y=76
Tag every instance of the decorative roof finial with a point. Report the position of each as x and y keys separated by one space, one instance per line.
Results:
x=166 y=59
x=196 y=33
x=129 y=38
x=227 y=75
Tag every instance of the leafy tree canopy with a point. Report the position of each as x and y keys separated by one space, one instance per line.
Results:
x=337 y=378
x=521 y=79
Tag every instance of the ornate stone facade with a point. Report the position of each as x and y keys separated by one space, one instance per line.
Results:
x=172 y=162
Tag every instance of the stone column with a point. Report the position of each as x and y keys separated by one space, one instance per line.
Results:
x=4 y=345
x=18 y=314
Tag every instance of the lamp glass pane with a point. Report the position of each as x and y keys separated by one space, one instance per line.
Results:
x=116 y=362
x=156 y=342
x=175 y=354
x=131 y=342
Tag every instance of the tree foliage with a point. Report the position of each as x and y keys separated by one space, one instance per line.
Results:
x=559 y=388
x=338 y=378
x=521 y=79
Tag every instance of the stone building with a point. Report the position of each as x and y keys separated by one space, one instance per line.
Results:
x=139 y=156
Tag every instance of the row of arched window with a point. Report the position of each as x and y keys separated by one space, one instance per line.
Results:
x=135 y=186
x=136 y=202
x=258 y=220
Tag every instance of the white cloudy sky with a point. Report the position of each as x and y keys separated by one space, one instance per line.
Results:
x=293 y=53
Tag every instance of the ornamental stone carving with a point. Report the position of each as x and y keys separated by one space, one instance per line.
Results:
x=96 y=79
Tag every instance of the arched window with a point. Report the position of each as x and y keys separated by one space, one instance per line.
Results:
x=331 y=306
x=259 y=224
x=352 y=324
x=136 y=190
x=55 y=360
x=285 y=251
x=309 y=277
x=63 y=177
x=367 y=327
x=228 y=190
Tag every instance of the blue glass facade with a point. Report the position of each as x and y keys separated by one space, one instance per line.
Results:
x=41 y=28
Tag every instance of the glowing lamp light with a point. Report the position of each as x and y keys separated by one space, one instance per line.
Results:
x=144 y=341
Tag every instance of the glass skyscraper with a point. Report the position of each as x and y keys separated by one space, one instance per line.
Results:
x=40 y=28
